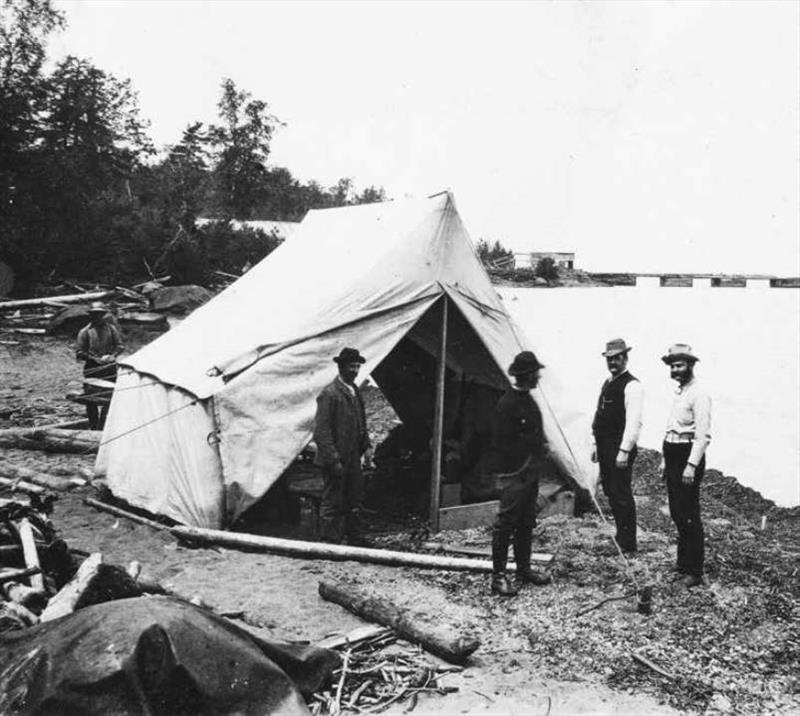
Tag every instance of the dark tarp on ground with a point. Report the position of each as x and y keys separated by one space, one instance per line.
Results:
x=154 y=655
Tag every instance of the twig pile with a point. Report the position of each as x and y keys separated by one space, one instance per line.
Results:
x=378 y=672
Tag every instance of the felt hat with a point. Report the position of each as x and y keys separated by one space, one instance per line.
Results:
x=98 y=307
x=525 y=362
x=614 y=347
x=679 y=351
x=349 y=355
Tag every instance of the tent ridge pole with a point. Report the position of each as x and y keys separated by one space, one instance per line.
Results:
x=438 y=419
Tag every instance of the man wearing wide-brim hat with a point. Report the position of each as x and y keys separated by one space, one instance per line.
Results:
x=98 y=344
x=687 y=437
x=519 y=449
x=615 y=428
x=340 y=433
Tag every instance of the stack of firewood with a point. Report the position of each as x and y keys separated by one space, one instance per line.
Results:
x=34 y=562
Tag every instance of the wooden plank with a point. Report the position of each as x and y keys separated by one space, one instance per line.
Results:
x=438 y=418
x=465 y=516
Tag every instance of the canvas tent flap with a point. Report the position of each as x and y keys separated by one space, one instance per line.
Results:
x=156 y=452
x=266 y=415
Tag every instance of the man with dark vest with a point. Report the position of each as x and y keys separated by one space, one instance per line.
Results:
x=687 y=437
x=616 y=427
x=340 y=432
x=518 y=449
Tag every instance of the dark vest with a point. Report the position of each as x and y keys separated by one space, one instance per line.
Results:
x=609 y=418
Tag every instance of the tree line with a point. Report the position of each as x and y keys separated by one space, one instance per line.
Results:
x=85 y=194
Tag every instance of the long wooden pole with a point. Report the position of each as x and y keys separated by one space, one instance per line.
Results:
x=72 y=298
x=322 y=550
x=438 y=419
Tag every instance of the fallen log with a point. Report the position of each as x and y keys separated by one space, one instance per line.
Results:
x=436 y=639
x=31 y=556
x=64 y=602
x=13 y=575
x=123 y=513
x=51 y=440
x=13 y=472
x=21 y=486
x=72 y=298
x=335 y=552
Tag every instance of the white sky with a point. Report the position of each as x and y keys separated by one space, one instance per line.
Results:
x=643 y=136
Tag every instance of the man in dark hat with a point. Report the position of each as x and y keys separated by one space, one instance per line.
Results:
x=340 y=432
x=615 y=428
x=519 y=448
x=687 y=436
x=98 y=345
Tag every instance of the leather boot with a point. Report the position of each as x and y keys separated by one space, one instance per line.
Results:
x=502 y=586
x=522 y=556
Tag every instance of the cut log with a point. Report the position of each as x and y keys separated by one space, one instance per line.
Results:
x=72 y=298
x=21 y=486
x=124 y=513
x=25 y=531
x=436 y=639
x=14 y=575
x=13 y=472
x=64 y=602
x=336 y=552
x=51 y=440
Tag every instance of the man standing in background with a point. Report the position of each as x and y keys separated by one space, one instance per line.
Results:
x=98 y=345
x=340 y=432
x=616 y=427
x=687 y=436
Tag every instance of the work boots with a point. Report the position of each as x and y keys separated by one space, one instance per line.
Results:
x=522 y=556
x=502 y=586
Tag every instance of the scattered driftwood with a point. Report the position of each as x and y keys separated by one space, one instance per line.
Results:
x=637 y=656
x=51 y=440
x=64 y=602
x=436 y=639
x=124 y=513
x=16 y=473
x=335 y=552
x=14 y=575
x=72 y=298
x=25 y=531
x=21 y=486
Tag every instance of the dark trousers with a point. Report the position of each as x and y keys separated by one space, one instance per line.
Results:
x=97 y=412
x=515 y=521
x=342 y=496
x=617 y=486
x=684 y=507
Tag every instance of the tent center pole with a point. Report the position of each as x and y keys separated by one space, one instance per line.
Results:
x=438 y=419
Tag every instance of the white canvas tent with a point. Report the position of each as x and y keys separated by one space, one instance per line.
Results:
x=206 y=418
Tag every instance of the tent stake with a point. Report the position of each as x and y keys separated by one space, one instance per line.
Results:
x=438 y=417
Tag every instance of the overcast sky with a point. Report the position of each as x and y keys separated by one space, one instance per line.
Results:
x=642 y=136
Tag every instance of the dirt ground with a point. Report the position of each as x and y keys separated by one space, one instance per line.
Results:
x=732 y=646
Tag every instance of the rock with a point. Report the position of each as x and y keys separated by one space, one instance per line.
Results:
x=720 y=522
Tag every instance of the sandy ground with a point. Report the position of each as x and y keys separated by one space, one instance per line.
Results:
x=511 y=673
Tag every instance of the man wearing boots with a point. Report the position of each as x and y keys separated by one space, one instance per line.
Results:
x=687 y=436
x=615 y=428
x=519 y=448
x=340 y=432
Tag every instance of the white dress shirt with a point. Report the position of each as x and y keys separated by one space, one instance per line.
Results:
x=690 y=418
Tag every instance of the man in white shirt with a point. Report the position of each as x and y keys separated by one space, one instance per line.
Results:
x=615 y=428
x=687 y=436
